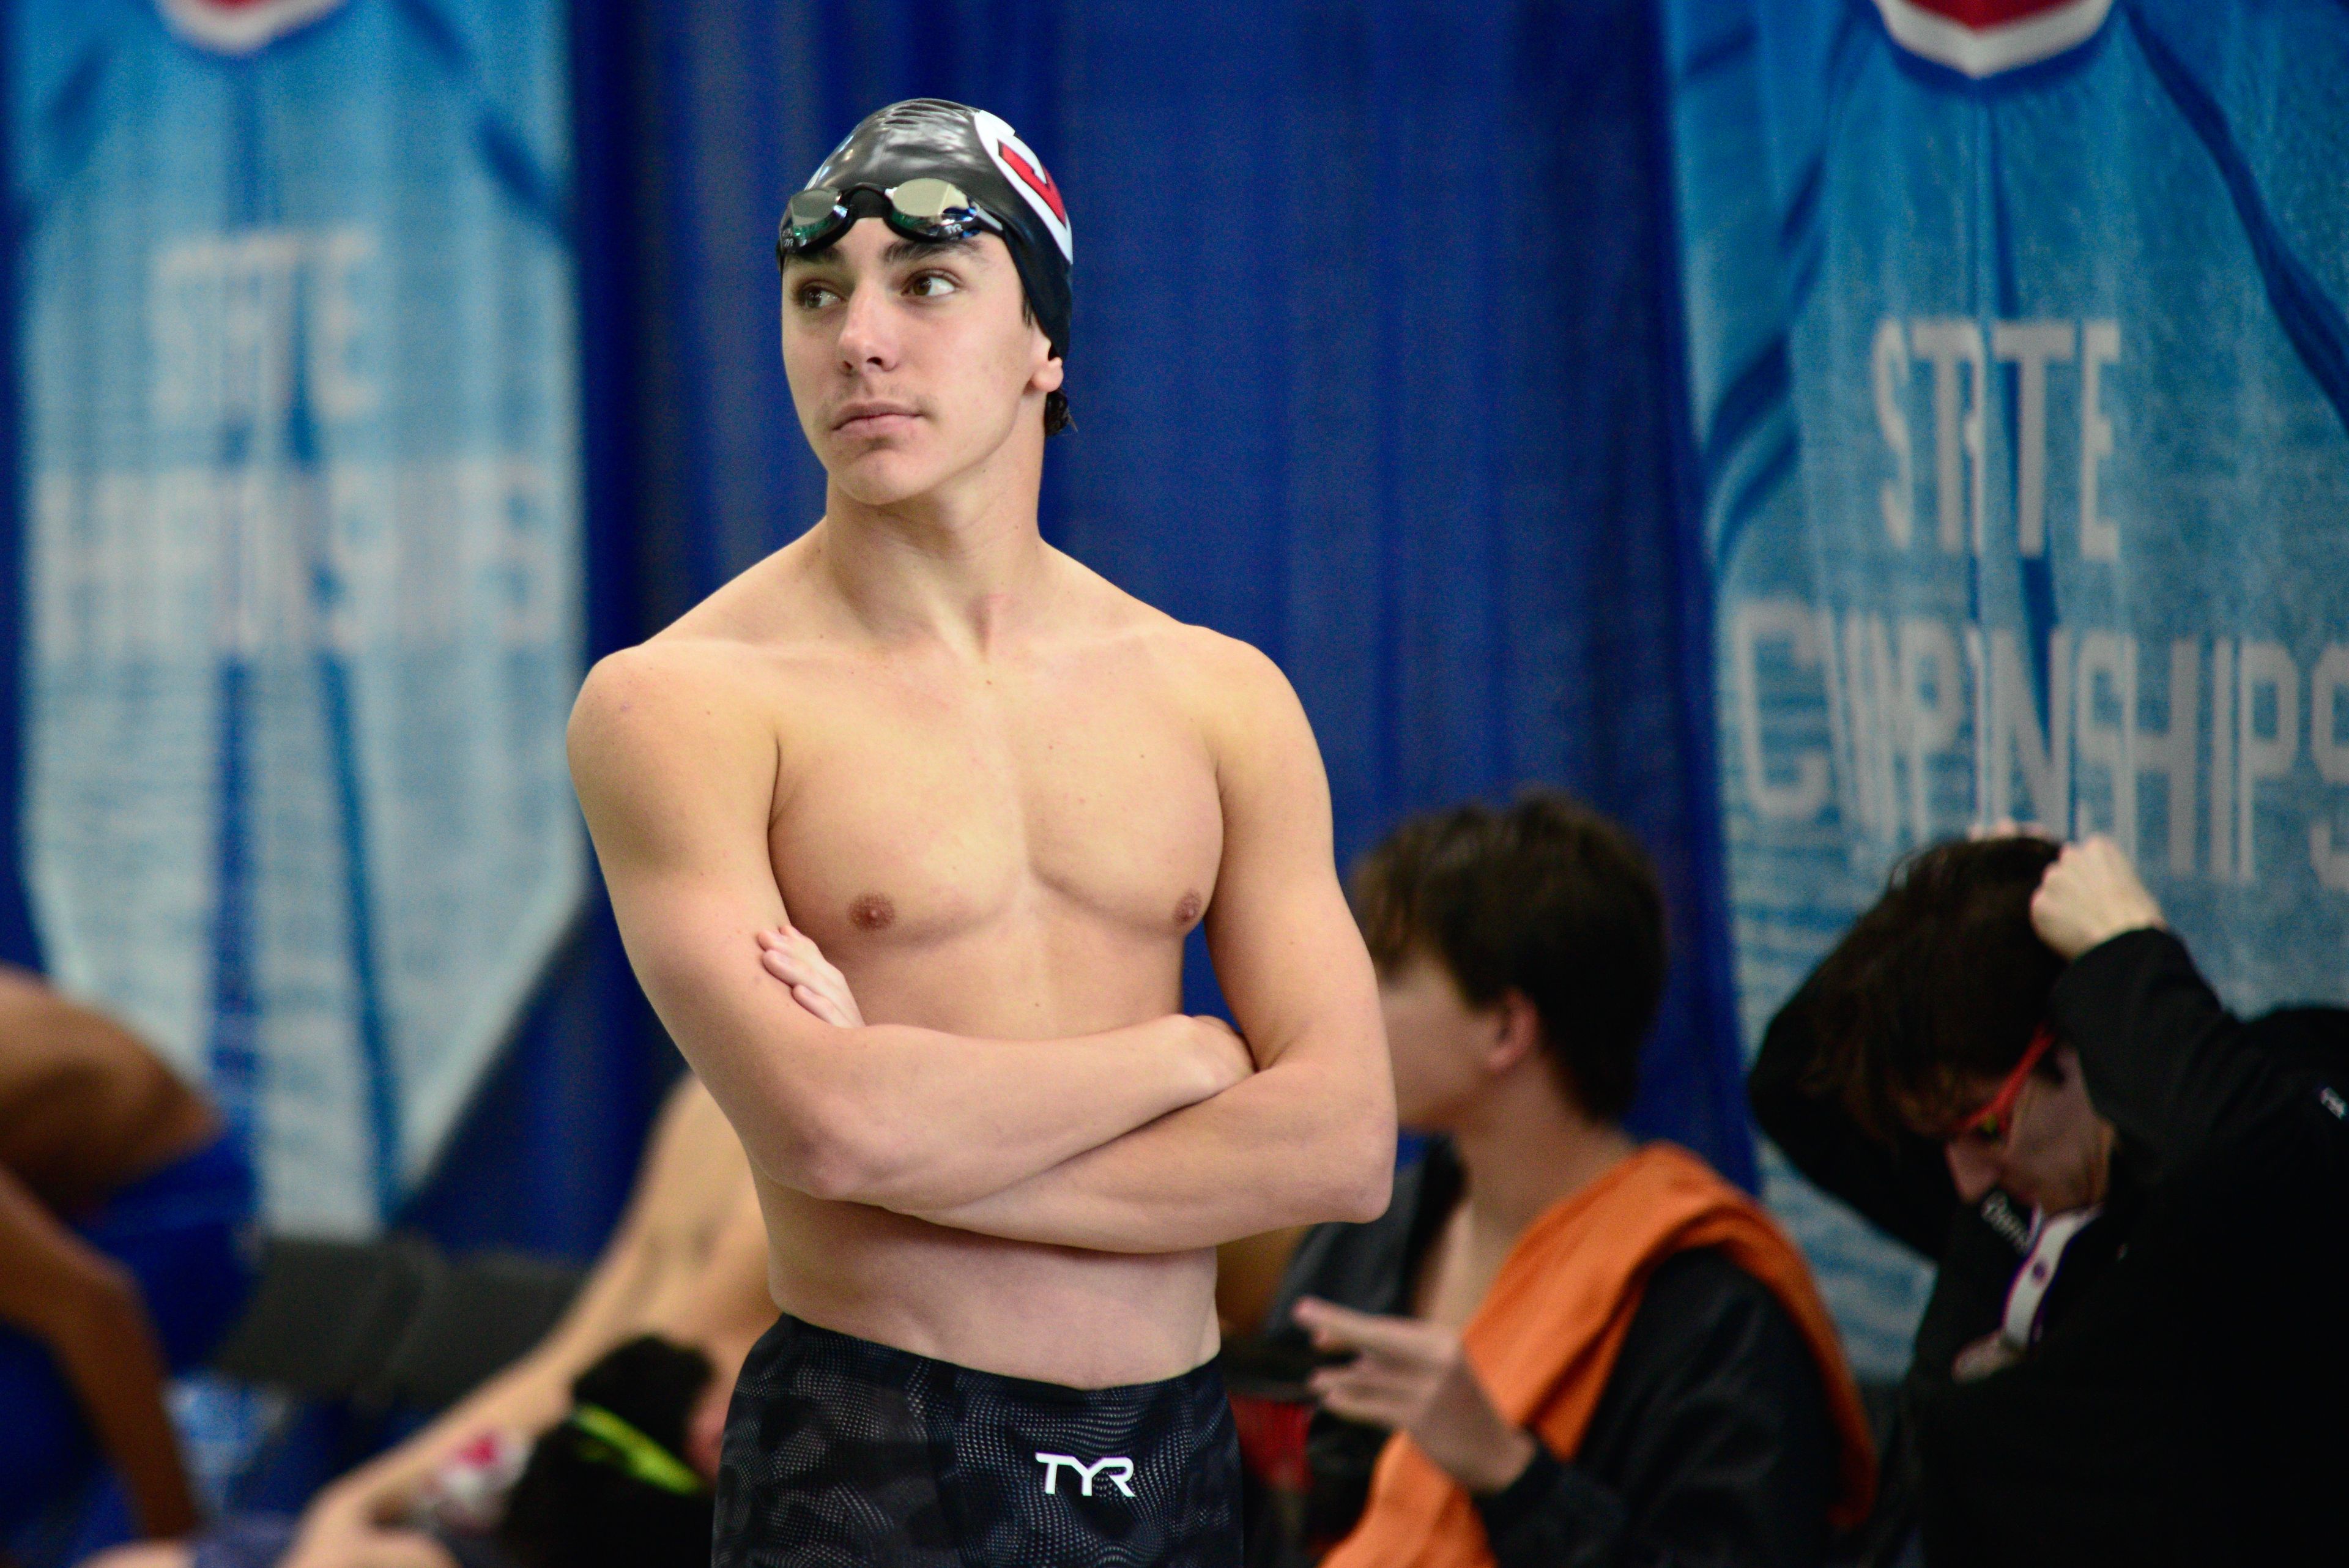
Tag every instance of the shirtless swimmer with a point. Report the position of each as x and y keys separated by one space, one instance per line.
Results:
x=998 y=793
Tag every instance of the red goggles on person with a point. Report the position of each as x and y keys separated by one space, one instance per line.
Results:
x=1994 y=1121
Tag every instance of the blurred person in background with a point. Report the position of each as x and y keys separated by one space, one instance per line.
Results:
x=2140 y=1203
x=513 y=1472
x=1559 y=1345
x=123 y=1205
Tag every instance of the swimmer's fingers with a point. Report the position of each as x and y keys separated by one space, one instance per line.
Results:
x=1334 y=1327
x=1370 y=1406
x=823 y=1006
x=1402 y=1367
x=819 y=987
x=799 y=945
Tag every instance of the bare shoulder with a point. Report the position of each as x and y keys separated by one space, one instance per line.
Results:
x=1220 y=678
x=1268 y=769
x=703 y=680
x=661 y=706
x=1242 y=702
x=664 y=681
x=43 y=1026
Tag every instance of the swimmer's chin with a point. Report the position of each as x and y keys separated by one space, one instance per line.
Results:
x=883 y=476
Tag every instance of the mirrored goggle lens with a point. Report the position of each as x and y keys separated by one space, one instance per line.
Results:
x=810 y=215
x=930 y=200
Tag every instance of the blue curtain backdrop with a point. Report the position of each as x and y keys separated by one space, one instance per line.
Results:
x=1376 y=364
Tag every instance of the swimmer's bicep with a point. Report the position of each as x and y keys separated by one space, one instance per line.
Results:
x=1270 y=778
x=669 y=777
x=1286 y=950
x=677 y=791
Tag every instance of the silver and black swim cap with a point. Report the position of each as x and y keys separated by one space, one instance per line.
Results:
x=921 y=142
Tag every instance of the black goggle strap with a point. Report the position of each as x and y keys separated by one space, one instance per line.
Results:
x=925 y=209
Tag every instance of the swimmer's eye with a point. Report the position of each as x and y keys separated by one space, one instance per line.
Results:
x=814 y=296
x=932 y=286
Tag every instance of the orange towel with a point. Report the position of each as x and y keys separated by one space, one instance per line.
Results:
x=1549 y=1332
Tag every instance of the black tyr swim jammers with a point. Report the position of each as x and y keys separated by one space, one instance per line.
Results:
x=842 y=1453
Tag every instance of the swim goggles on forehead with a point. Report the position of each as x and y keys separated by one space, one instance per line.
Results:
x=924 y=209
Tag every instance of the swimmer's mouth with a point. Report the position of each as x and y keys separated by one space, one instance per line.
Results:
x=860 y=417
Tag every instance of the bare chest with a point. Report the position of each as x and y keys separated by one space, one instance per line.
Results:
x=912 y=812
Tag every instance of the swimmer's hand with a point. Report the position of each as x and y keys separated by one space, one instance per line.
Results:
x=1415 y=1377
x=1228 y=1056
x=2089 y=896
x=791 y=956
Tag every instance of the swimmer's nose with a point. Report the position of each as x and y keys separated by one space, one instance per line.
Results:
x=868 y=336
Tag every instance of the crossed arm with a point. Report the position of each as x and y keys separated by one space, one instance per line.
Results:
x=1022 y=1139
x=1310 y=1134
x=676 y=789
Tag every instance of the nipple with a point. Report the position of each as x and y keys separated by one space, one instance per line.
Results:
x=1188 y=909
x=872 y=912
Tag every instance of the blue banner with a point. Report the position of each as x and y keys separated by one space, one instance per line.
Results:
x=302 y=550
x=2021 y=379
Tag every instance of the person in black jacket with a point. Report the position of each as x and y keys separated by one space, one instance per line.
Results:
x=2141 y=1210
x=1520 y=957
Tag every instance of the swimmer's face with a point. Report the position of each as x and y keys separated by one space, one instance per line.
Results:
x=1442 y=1047
x=911 y=363
x=2053 y=1150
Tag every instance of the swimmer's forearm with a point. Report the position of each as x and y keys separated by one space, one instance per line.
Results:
x=106 y=1346
x=1297 y=1144
x=914 y=1119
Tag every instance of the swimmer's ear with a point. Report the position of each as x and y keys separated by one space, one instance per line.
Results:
x=1516 y=1031
x=1048 y=374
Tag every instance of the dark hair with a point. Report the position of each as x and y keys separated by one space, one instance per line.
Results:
x=575 y=1507
x=1943 y=980
x=1547 y=898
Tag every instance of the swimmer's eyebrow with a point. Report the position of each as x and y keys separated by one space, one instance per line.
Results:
x=898 y=255
x=912 y=250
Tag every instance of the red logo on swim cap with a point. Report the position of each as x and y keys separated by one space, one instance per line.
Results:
x=240 y=27
x=1037 y=180
x=1020 y=166
x=1983 y=38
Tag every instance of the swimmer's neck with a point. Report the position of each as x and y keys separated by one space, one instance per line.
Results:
x=1525 y=1146
x=964 y=566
